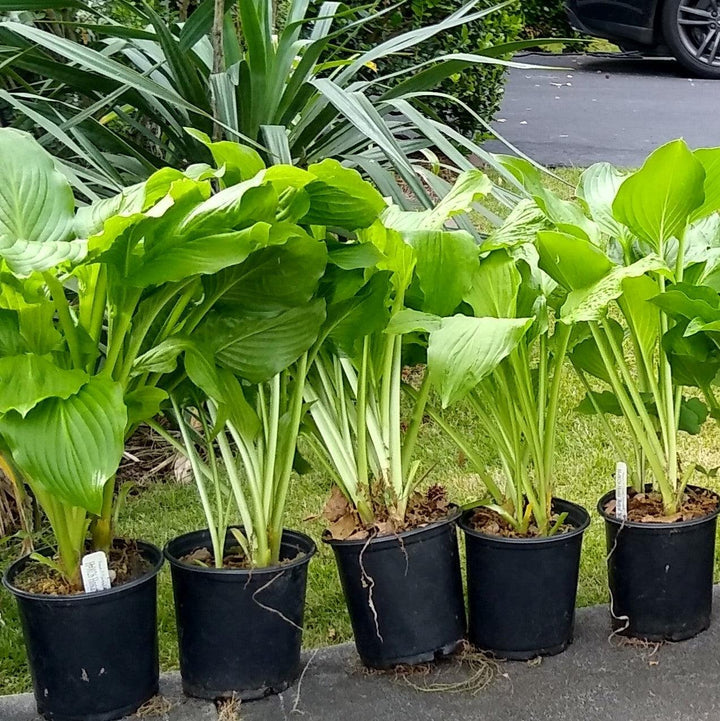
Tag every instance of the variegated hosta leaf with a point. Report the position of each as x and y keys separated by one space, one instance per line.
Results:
x=71 y=446
x=591 y=303
x=36 y=208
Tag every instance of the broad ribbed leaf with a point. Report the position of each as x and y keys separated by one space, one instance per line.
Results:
x=36 y=207
x=71 y=446
x=570 y=261
x=465 y=350
x=28 y=379
x=259 y=348
x=445 y=262
x=495 y=285
x=340 y=197
x=710 y=160
x=657 y=201
x=598 y=187
x=208 y=254
x=272 y=279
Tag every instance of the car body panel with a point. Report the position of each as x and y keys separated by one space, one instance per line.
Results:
x=630 y=20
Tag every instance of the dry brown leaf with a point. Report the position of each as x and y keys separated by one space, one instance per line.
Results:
x=337 y=506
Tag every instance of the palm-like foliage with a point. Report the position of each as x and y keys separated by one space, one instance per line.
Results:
x=118 y=105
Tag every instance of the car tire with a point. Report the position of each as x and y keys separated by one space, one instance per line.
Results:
x=692 y=33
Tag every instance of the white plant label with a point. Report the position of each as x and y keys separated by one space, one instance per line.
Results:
x=621 y=490
x=95 y=573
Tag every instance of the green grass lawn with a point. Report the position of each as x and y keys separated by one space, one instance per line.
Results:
x=163 y=510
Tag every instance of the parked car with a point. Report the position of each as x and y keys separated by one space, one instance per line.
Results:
x=688 y=29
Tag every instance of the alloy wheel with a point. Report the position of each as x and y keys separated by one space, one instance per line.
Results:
x=699 y=30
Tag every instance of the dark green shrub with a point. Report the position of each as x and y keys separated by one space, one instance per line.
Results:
x=548 y=19
x=480 y=87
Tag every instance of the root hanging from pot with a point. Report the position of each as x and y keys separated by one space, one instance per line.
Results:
x=228 y=709
x=296 y=704
x=157 y=707
x=369 y=583
x=270 y=608
x=625 y=619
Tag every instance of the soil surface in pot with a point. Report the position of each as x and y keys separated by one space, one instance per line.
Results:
x=234 y=558
x=490 y=523
x=423 y=509
x=648 y=507
x=125 y=561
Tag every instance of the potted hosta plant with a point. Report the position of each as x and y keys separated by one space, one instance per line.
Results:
x=240 y=584
x=395 y=544
x=506 y=362
x=93 y=307
x=618 y=275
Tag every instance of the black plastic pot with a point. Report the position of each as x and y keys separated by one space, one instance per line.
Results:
x=404 y=594
x=93 y=657
x=660 y=575
x=239 y=631
x=521 y=591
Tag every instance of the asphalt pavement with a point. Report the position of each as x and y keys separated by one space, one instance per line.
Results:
x=596 y=679
x=579 y=110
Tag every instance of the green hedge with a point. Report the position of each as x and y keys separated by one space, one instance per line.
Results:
x=546 y=19
x=480 y=87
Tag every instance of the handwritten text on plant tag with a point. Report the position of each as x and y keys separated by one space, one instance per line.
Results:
x=621 y=490
x=95 y=573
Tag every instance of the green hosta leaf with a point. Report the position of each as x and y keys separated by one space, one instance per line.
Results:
x=11 y=342
x=71 y=446
x=350 y=256
x=413 y=321
x=465 y=350
x=445 y=261
x=495 y=285
x=259 y=348
x=584 y=352
x=36 y=208
x=28 y=379
x=684 y=300
x=591 y=303
x=695 y=359
x=163 y=358
x=239 y=161
x=398 y=256
x=177 y=259
x=710 y=160
x=598 y=187
x=642 y=316
x=90 y=219
x=693 y=411
x=144 y=403
x=657 y=201
x=340 y=197
x=570 y=261
x=361 y=314
x=272 y=279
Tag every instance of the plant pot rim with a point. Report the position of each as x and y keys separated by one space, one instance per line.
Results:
x=661 y=524
x=451 y=518
x=150 y=551
x=308 y=553
x=536 y=541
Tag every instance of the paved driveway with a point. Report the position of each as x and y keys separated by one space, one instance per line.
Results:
x=604 y=108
